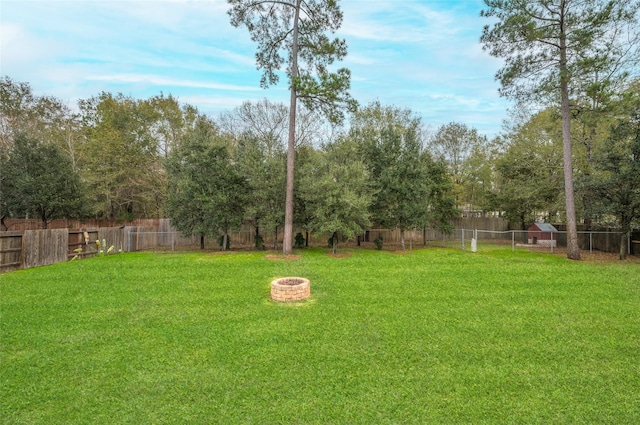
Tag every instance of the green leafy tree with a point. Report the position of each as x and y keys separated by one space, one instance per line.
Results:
x=529 y=171
x=120 y=159
x=479 y=175
x=616 y=179
x=292 y=36
x=170 y=122
x=440 y=202
x=336 y=191
x=207 y=192
x=259 y=130
x=546 y=45
x=39 y=118
x=390 y=142
x=38 y=180
x=264 y=167
x=303 y=216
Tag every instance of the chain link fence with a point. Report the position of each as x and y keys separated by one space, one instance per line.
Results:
x=545 y=241
x=140 y=238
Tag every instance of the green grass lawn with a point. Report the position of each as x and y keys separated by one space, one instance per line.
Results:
x=434 y=336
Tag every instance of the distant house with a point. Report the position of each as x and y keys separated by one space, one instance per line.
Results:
x=543 y=234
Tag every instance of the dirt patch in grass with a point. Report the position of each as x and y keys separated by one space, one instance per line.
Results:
x=282 y=257
x=401 y=252
x=340 y=254
x=605 y=257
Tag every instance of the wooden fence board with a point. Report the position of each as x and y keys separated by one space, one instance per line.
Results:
x=44 y=247
x=495 y=224
x=20 y=225
x=113 y=236
x=10 y=250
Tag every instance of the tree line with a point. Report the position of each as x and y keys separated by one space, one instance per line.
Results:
x=122 y=158
x=116 y=157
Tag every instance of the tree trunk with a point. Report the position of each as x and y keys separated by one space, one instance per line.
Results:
x=45 y=223
x=623 y=245
x=225 y=238
x=402 y=238
x=201 y=241
x=334 y=239
x=573 y=251
x=287 y=242
x=626 y=235
x=306 y=240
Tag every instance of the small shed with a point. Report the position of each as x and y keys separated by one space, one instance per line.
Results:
x=542 y=234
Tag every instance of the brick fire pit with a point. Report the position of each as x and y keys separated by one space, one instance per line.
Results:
x=290 y=289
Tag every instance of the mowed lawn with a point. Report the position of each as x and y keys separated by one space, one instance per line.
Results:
x=431 y=336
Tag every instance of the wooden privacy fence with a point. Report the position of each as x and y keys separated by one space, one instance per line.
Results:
x=82 y=243
x=33 y=248
x=10 y=250
x=41 y=248
x=20 y=224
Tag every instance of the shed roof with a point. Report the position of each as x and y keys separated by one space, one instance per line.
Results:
x=546 y=227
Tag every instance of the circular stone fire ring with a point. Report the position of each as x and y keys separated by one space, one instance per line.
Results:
x=287 y=289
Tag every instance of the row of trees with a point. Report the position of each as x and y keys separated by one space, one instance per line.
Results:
x=121 y=158
x=114 y=145
x=378 y=171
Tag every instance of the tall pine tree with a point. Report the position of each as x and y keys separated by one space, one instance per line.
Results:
x=291 y=37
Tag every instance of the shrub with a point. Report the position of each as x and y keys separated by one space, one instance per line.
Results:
x=299 y=240
x=378 y=242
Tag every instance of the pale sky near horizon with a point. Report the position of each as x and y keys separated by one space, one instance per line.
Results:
x=424 y=55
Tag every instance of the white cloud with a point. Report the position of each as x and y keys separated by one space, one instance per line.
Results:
x=20 y=49
x=424 y=55
x=455 y=100
x=167 y=82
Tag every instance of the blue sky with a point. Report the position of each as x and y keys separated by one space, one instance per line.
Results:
x=423 y=55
